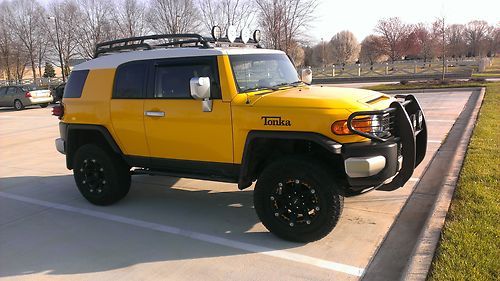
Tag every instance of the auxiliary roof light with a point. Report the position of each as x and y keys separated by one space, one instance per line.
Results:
x=245 y=35
x=256 y=36
x=231 y=33
x=216 y=32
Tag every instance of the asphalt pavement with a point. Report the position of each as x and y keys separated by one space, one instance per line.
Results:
x=171 y=228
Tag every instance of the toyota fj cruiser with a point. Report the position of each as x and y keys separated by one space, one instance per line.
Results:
x=225 y=109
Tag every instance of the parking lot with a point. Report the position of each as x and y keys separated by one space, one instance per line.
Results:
x=170 y=228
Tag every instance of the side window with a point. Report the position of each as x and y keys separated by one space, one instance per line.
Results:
x=75 y=84
x=172 y=81
x=12 y=90
x=3 y=91
x=130 y=81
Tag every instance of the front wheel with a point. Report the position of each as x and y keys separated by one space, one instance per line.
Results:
x=297 y=200
x=102 y=177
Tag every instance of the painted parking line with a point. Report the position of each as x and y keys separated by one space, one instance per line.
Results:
x=441 y=120
x=434 y=141
x=348 y=269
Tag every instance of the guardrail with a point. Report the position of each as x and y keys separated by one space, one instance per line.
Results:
x=400 y=68
x=42 y=82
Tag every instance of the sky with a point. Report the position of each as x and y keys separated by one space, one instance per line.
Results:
x=361 y=16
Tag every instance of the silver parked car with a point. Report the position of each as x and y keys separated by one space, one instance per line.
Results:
x=25 y=95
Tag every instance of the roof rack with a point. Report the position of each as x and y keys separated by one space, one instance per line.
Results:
x=138 y=43
x=169 y=40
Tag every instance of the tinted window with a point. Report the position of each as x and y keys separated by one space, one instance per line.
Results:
x=172 y=81
x=74 y=86
x=12 y=90
x=130 y=81
x=3 y=91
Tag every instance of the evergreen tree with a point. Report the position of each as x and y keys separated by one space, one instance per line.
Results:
x=49 y=71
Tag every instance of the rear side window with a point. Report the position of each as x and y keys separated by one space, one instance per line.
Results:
x=130 y=81
x=172 y=81
x=75 y=84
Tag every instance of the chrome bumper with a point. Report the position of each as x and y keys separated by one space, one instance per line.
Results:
x=60 y=145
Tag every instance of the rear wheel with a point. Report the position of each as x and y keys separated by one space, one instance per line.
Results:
x=18 y=105
x=44 y=105
x=296 y=199
x=101 y=176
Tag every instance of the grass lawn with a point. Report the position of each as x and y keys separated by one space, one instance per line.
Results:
x=469 y=248
x=492 y=71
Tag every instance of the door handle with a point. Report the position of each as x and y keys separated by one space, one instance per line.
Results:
x=154 y=113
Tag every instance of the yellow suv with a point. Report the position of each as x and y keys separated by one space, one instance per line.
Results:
x=184 y=105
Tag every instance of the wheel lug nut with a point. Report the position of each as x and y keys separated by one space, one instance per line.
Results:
x=276 y=214
x=313 y=191
x=280 y=184
x=317 y=208
x=291 y=224
x=308 y=221
x=297 y=181
x=103 y=182
x=85 y=161
x=91 y=190
x=84 y=182
x=272 y=198
x=99 y=190
x=101 y=169
x=93 y=160
x=81 y=170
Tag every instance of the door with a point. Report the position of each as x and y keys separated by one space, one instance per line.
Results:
x=127 y=107
x=176 y=125
x=3 y=97
x=12 y=94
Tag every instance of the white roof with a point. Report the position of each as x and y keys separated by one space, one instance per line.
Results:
x=114 y=60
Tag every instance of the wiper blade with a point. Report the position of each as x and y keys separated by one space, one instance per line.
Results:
x=293 y=84
x=259 y=89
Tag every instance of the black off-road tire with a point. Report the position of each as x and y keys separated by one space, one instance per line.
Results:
x=305 y=174
x=44 y=105
x=18 y=105
x=102 y=177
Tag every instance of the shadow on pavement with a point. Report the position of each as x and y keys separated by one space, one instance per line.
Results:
x=37 y=239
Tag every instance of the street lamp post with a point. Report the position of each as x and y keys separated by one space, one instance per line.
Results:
x=59 y=47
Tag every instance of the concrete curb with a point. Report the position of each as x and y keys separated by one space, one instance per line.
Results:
x=423 y=255
x=395 y=258
x=436 y=90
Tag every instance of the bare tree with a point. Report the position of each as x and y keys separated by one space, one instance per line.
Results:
x=26 y=19
x=425 y=42
x=95 y=25
x=372 y=49
x=456 y=42
x=344 y=47
x=284 y=21
x=66 y=17
x=240 y=13
x=395 y=34
x=475 y=33
x=173 y=16
x=439 y=30
x=130 y=18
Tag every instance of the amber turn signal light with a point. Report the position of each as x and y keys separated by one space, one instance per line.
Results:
x=362 y=124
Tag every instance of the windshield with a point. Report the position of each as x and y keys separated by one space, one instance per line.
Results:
x=262 y=71
x=28 y=88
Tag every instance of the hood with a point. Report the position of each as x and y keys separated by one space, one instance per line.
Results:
x=322 y=97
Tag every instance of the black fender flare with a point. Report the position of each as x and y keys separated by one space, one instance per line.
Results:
x=66 y=133
x=245 y=177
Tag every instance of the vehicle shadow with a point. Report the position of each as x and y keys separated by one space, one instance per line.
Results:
x=37 y=239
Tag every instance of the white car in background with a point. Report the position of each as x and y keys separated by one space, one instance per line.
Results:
x=24 y=95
